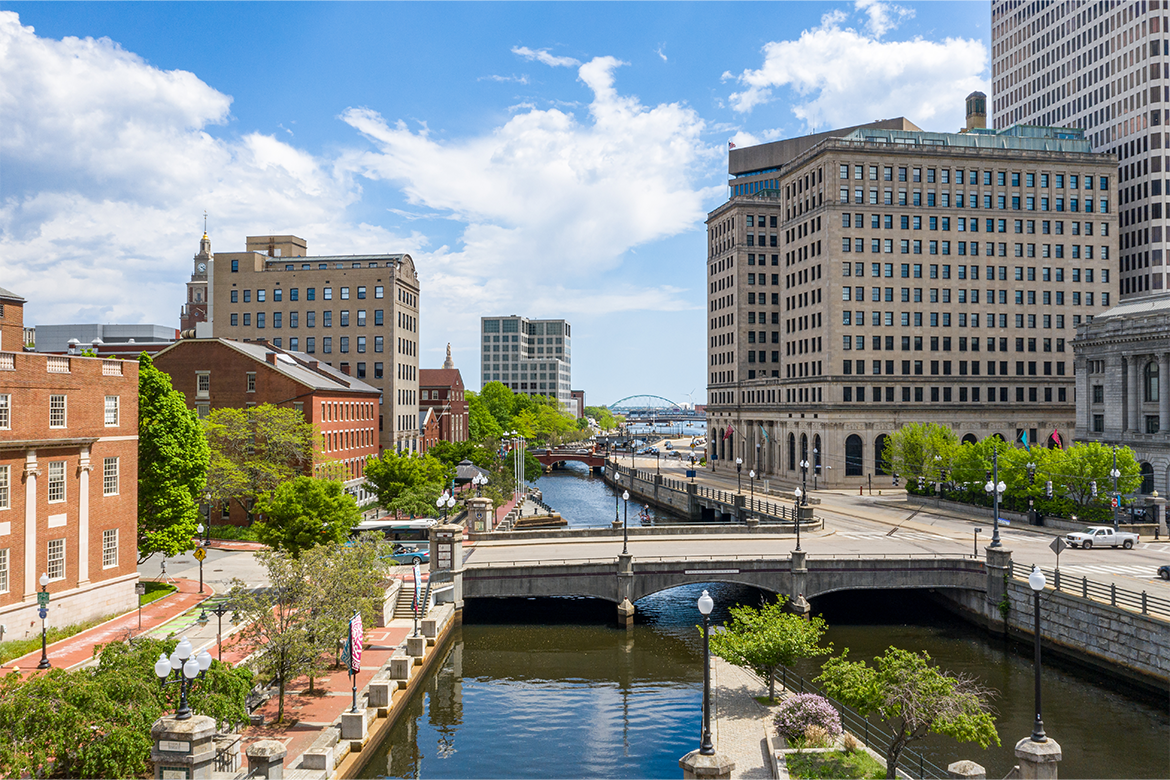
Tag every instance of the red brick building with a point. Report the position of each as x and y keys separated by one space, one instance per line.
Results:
x=344 y=411
x=441 y=389
x=68 y=482
x=428 y=430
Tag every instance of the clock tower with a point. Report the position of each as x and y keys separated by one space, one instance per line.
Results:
x=195 y=309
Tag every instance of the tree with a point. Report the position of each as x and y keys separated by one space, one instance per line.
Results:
x=405 y=482
x=172 y=465
x=603 y=416
x=533 y=468
x=767 y=638
x=255 y=449
x=913 y=698
x=921 y=450
x=499 y=400
x=306 y=512
x=1076 y=468
x=481 y=424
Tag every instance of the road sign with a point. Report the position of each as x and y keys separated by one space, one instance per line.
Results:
x=200 y=553
x=140 y=588
x=42 y=598
x=1058 y=545
x=43 y=613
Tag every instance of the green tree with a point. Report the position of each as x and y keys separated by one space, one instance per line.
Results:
x=533 y=468
x=304 y=513
x=604 y=418
x=767 y=638
x=921 y=450
x=255 y=449
x=1076 y=468
x=913 y=697
x=172 y=465
x=481 y=424
x=405 y=482
x=500 y=402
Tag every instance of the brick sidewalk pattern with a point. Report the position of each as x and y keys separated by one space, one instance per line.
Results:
x=739 y=720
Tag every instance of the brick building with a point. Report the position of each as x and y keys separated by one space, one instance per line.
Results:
x=68 y=482
x=219 y=373
x=441 y=389
x=428 y=429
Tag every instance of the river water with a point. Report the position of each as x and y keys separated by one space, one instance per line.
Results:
x=549 y=688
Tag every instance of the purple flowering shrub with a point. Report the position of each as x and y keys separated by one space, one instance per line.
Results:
x=799 y=712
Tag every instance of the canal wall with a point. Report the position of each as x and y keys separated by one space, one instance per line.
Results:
x=1102 y=638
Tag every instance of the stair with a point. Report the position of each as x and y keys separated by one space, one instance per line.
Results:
x=403 y=607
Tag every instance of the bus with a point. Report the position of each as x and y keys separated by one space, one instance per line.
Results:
x=416 y=530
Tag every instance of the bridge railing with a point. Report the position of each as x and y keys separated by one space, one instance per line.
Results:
x=1110 y=594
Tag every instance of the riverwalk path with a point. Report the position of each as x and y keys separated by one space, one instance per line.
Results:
x=739 y=721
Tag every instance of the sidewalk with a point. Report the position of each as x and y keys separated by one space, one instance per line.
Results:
x=739 y=721
x=158 y=616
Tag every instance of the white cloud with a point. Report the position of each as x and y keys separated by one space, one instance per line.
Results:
x=839 y=76
x=108 y=168
x=521 y=79
x=659 y=51
x=542 y=55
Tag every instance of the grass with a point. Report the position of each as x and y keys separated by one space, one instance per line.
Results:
x=836 y=764
x=239 y=533
x=155 y=591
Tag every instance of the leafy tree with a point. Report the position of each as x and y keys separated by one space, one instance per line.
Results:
x=405 y=482
x=499 y=400
x=604 y=417
x=481 y=424
x=172 y=465
x=921 y=450
x=913 y=698
x=95 y=722
x=1076 y=468
x=255 y=449
x=304 y=513
x=533 y=468
x=767 y=638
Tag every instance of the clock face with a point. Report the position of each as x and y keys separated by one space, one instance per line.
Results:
x=202 y=267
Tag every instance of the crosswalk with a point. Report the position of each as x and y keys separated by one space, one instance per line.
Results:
x=1084 y=569
x=920 y=536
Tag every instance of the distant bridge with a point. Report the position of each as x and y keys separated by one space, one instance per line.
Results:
x=653 y=406
x=552 y=457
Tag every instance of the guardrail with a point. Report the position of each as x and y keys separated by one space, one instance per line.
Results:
x=1111 y=594
x=703 y=559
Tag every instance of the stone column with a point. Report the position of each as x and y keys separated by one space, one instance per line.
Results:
x=1134 y=394
x=999 y=565
x=447 y=555
x=625 y=583
x=1038 y=759
x=479 y=512
x=84 y=467
x=1164 y=393
x=696 y=766
x=266 y=759
x=966 y=770
x=31 y=472
x=797 y=602
x=1083 y=397
x=183 y=748
x=1114 y=382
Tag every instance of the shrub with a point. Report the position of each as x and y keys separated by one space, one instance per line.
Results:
x=850 y=743
x=799 y=712
x=816 y=736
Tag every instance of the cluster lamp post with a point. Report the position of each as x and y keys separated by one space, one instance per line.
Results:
x=444 y=502
x=625 y=524
x=796 y=514
x=1116 y=496
x=738 y=470
x=479 y=480
x=199 y=532
x=43 y=612
x=816 y=466
x=706 y=604
x=185 y=668
x=995 y=488
x=804 y=479
x=1037 y=582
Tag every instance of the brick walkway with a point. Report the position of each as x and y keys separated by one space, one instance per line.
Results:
x=739 y=720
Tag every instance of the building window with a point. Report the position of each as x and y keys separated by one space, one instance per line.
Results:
x=251 y=381
x=327 y=345
x=56 y=481
x=377 y=371
x=111 y=411
x=1151 y=381
x=110 y=477
x=311 y=345
x=344 y=346
x=378 y=291
x=378 y=343
x=56 y=568
x=56 y=411
x=109 y=548
x=361 y=343
x=5 y=494
x=202 y=410
x=202 y=384
x=1098 y=423
x=4 y=570
x=5 y=411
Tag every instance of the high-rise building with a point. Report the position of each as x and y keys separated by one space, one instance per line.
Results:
x=863 y=278
x=528 y=356
x=1101 y=67
x=357 y=313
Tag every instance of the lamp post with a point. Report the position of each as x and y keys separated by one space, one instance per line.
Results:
x=185 y=668
x=804 y=480
x=796 y=514
x=995 y=488
x=706 y=604
x=1116 y=496
x=219 y=611
x=816 y=466
x=625 y=524
x=975 y=549
x=657 y=460
x=207 y=503
x=43 y=611
x=198 y=549
x=738 y=469
x=1037 y=582
x=752 y=485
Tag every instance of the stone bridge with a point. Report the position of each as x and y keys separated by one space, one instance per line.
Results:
x=551 y=458
x=625 y=579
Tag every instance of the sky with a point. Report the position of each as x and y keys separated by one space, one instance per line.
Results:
x=537 y=158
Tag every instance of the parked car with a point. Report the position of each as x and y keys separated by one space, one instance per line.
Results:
x=1164 y=571
x=411 y=554
x=1101 y=536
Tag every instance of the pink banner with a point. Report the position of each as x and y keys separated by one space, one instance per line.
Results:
x=356 y=638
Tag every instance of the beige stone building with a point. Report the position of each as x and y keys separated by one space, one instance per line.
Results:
x=868 y=277
x=357 y=313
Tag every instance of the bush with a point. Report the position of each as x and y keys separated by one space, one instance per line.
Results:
x=799 y=712
x=817 y=736
x=239 y=533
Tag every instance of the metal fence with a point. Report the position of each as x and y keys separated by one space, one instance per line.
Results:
x=1110 y=594
x=912 y=762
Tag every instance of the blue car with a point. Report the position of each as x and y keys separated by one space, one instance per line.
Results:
x=1164 y=571
x=411 y=554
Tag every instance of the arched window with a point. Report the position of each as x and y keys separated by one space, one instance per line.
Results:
x=792 y=452
x=881 y=466
x=1147 y=479
x=970 y=438
x=854 y=456
x=1151 y=381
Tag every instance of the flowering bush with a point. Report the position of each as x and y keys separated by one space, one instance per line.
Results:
x=799 y=712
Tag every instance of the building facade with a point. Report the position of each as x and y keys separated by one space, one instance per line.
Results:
x=357 y=313
x=528 y=356
x=1122 y=356
x=443 y=392
x=1100 y=67
x=221 y=373
x=12 y=330
x=194 y=311
x=866 y=278
x=68 y=485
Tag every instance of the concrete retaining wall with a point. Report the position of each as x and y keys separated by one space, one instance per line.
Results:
x=101 y=600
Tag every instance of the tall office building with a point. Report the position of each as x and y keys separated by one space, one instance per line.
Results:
x=357 y=313
x=1101 y=67
x=528 y=356
x=867 y=277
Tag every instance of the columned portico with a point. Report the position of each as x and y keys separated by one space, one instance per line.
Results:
x=1163 y=392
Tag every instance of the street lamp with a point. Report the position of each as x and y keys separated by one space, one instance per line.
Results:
x=804 y=480
x=706 y=604
x=185 y=668
x=43 y=611
x=625 y=524
x=816 y=466
x=198 y=533
x=1116 y=496
x=738 y=469
x=796 y=514
x=1037 y=582
x=219 y=611
x=478 y=480
x=752 y=484
x=207 y=503
x=995 y=488
x=443 y=502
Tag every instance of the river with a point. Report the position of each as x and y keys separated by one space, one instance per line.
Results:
x=548 y=688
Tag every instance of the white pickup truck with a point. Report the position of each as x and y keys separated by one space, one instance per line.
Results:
x=1101 y=536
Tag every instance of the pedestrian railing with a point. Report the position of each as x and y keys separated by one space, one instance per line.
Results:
x=912 y=762
x=1110 y=594
x=227 y=753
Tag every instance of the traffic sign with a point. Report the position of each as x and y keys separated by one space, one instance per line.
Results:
x=43 y=613
x=140 y=588
x=42 y=598
x=1058 y=545
x=200 y=553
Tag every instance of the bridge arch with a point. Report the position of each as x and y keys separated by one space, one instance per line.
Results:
x=622 y=402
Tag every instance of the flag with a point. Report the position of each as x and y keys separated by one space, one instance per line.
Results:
x=415 y=605
x=1056 y=439
x=728 y=432
x=356 y=638
x=767 y=438
x=730 y=144
x=1024 y=439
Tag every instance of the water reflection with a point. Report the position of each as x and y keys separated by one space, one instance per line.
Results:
x=585 y=500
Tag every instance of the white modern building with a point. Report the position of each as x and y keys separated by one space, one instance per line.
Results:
x=528 y=356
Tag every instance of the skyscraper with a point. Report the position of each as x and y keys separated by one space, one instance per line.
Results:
x=528 y=356
x=1101 y=67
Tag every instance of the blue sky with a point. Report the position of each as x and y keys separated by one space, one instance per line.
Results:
x=546 y=159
